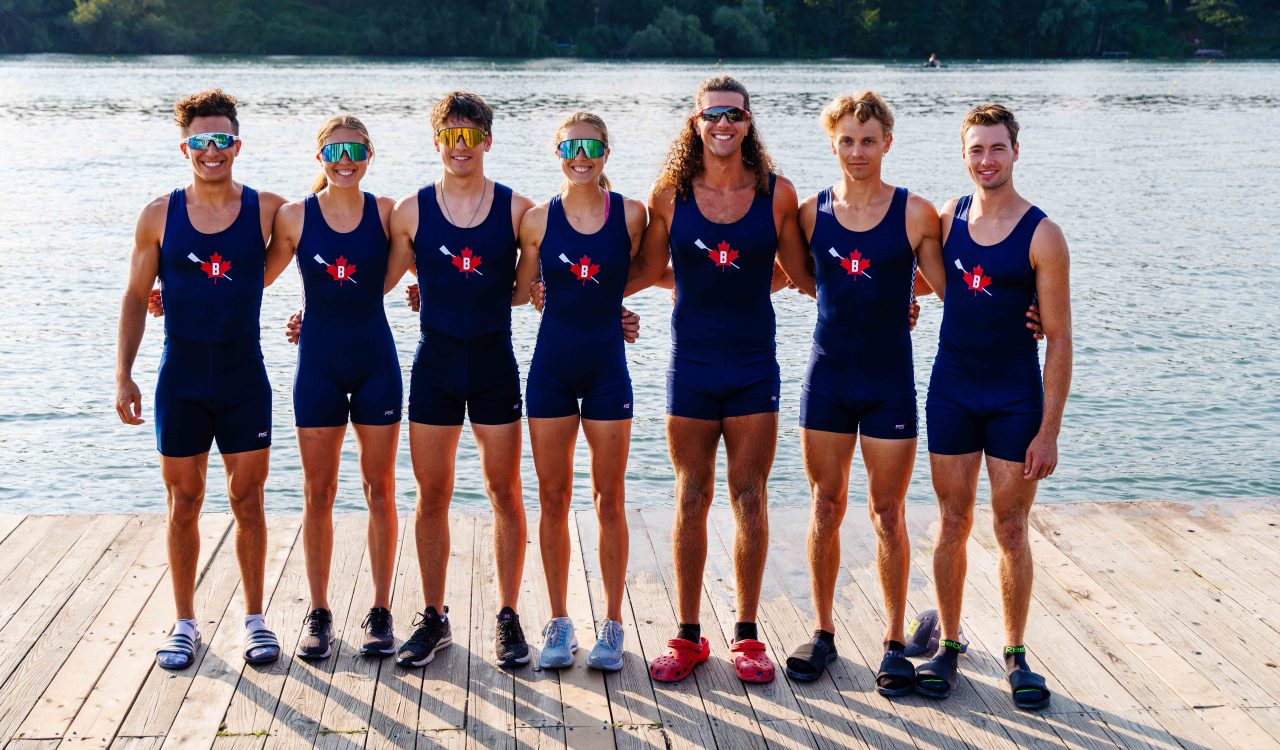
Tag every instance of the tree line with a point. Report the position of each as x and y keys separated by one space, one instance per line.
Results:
x=647 y=28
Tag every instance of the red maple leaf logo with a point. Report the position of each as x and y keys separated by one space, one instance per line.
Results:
x=216 y=268
x=855 y=264
x=723 y=255
x=584 y=271
x=466 y=262
x=340 y=271
x=976 y=281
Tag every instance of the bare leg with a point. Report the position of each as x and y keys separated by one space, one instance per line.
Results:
x=184 y=481
x=1011 y=498
x=610 y=442
x=692 y=444
x=500 y=462
x=434 y=448
x=377 y=447
x=889 y=464
x=553 y=442
x=955 y=480
x=749 y=444
x=246 y=476
x=320 y=448
x=827 y=456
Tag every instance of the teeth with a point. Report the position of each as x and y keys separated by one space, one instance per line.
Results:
x=720 y=137
x=345 y=172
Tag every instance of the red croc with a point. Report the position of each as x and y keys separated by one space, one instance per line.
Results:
x=679 y=660
x=751 y=662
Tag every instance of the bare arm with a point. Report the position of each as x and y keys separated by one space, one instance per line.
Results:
x=144 y=266
x=924 y=230
x=793 y=251
x=402 y=225
x=527 y=263
x=285 y=233
x=650 y=264
x=533 y=227
x=1051 y=261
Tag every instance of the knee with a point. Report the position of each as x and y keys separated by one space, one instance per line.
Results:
x=433 y=500
x=887 y=518
x=555 y=498
x=508 y=504
x=828 y=506
x=610 y=508
x=751 y=499
x=1011 y=532
x=185 y=503
x=694 y=499
x=382 y=505
x=248 y=508
x=956 y=524
x=319 y=494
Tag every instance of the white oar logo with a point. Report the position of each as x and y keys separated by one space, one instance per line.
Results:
x=466 y=261
x=855 y=264
x=723 y=255
x=975 y=281
x=216 y=268
x=583 y=269
x=340 y=270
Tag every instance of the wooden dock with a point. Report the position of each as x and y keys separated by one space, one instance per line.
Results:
x=1156 y=624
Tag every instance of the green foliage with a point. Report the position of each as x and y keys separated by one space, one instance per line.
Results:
x=674 y=28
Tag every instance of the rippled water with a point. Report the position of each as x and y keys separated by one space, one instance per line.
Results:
x=1161 y=174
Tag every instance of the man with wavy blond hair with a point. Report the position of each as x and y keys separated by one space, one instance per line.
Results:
x=721 y=218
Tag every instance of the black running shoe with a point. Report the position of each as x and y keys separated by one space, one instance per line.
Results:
x=379 y=639
x=509 y=645
x=432 y=634
x=317 y=638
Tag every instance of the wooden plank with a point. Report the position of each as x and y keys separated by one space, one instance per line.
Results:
x=398 y=691
x=733 y=720
x=445 y=681
x=38 y=549
x=9 y=522
x=201 y=715
x=631 y=698
x=440 y=739
x=540 y=738
x=104 y=708
x=490 y=704
x=71 y=686
x=536 y=692
x=54 y=642
x=17 y=744
x=137 y=743
x=1182 y=677
x=682 y=713
x=588 y=716
x=162 y=694
x=296 y=722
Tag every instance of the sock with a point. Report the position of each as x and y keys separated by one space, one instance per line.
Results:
x=508 y=613
x=255 y=622
x=691 y=632
x=745 y=630
x=895 y=647
x=826 y=637
x=949 y=650
x=187 y=627
x=431 y=612
x=1015 y=658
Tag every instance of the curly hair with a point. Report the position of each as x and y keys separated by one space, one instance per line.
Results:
x=211 y=103
x=684 y=159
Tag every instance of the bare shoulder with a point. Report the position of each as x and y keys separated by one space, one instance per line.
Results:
x=1048 y=244
x=919 y=207
x=291 y=214
x=270 y=202
x=406 y=209
x=809 y=206
x=784 y=190
x=536 y=216
x=386 y=204
x=520 y=204
x=662 y=200
x=151 y=221
x=636 y=212
x=949 y=209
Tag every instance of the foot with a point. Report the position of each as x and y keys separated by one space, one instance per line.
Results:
x=559 y=644
x=750 y=661
x=606 y=655
x=379 y=638
x=897 y=675
x=1026 y=688
x=317 y=637
x=936 y=677
x=810 y=660
x=509 y=646
x=431 y=634
x=678 y=661
x=179 y=650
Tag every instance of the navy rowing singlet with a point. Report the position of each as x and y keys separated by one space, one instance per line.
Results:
x=342 y=272
x=723 y=275
x=989 y=288
x=865 y=284
x=465 y=275
x=584 y=275
x=211 y=284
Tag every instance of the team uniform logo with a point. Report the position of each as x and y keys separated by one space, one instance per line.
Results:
x=340 y=270
x=215 y=268
x=974 y=280
x=583 y=270
x=854 y=265
x=722 y=256
x=466 y=262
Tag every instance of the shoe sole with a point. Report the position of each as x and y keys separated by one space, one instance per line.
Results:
x=378 y=650
x=328 y=651
x=513 y=662
x=606 y=666
x=444 y=642
x=573 y=651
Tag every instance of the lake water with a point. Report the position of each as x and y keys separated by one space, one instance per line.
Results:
x=1161 y=174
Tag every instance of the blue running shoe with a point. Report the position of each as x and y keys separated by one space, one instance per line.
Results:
x=559 y=643
x=607 y=654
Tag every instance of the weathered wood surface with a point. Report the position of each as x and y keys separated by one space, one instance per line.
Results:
x=1153 y=622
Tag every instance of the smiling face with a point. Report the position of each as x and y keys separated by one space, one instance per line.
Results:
x=211 y=164
x=461 y=160
x=989 y=155
x=722 y=138
x=580 y=170
x=860 y=146
x=345 y=173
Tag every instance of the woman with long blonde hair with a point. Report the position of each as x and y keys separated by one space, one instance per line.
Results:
x=584 y=238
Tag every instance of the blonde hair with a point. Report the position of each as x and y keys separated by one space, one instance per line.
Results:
x=338 y=122
x=991 y=114
x=864 y=105
x=595 y=121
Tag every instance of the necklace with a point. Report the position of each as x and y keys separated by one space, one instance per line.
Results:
x=444 y=201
